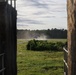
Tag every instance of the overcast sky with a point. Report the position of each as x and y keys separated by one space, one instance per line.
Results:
x=41 y=14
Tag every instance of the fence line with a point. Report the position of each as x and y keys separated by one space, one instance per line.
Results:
x=65 y=61
x=11 y=2
x=65 y=49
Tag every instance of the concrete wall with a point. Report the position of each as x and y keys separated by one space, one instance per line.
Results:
x=8 y=37
x=71 y=8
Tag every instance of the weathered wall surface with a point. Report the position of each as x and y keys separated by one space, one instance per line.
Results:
x=2 y=33
x=8 y=37
x=71 y=8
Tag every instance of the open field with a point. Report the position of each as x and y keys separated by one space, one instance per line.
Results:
x=52 y=40
x=38 y=62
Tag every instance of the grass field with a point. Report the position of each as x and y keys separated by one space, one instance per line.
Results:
x=38 y=62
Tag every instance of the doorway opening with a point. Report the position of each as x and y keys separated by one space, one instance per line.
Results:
x=36 y=18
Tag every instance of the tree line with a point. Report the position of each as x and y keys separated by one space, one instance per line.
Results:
x=49 y=33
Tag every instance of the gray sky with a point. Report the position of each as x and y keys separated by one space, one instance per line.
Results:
x=41 y=14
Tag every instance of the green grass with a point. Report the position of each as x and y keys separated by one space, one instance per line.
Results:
x=58 y=40
x=38 y=62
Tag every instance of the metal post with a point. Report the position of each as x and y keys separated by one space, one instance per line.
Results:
x=11 y=2
x=15 y=4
